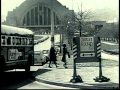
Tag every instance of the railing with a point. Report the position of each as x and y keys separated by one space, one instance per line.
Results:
x=110 y=40
x=38 y=26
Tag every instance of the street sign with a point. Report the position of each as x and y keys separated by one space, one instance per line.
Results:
x=87 y=54
x=87 y=43
x=86 y=49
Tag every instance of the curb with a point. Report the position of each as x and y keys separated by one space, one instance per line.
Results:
x=87 y=86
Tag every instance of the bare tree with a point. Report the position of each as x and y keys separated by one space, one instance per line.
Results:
x=82 y=19
x=69 y=26
x=77 y=22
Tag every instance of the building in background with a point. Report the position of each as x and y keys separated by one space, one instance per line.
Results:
x=36 y=15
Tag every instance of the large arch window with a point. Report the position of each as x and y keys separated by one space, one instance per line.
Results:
x=36 y=15
x=28 y=19
x=32 y=16
x=49 y=16
x=39 y=15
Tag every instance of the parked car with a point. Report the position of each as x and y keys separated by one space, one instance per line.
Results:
x=57 y=44
x=45 y=54
x=57 y=48
x=39 y=58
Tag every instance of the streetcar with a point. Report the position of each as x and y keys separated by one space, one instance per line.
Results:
x=17 y=48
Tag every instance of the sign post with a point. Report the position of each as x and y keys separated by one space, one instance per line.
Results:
x=100 y=78
x=87 y=49
x=76 y=78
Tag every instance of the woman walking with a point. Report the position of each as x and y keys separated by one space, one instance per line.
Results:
x=64 y=55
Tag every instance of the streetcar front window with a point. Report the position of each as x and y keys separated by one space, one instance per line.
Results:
x=3 y=40
x=9 y=41
x=13 y=40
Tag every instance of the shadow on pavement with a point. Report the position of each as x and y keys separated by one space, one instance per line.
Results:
x=114 y=86
x=14 y=80
x=40 y=71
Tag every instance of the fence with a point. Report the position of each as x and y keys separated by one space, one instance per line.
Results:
x=110 y=39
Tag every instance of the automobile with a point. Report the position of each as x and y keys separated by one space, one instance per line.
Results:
x=57 y=48
x=57 y=44
x=40 y=58
x=45 y=54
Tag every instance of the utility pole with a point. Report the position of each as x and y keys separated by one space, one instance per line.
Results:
x=61 y=28
x=52 y=25
x=81 y=20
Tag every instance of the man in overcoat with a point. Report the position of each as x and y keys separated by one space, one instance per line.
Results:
x=53 y=57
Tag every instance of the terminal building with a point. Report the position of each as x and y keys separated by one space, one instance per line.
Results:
x=36 y=15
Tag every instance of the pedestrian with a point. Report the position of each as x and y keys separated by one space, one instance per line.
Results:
x=65 y=52
x=52 y=56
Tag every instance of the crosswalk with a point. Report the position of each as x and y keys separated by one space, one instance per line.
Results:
x=105 y=63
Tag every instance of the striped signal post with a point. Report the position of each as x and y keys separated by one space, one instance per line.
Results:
x=76 y=78
x=99 y=50
x=99 y=56
x=74 y=58
x=100 y=78
x=74 y=51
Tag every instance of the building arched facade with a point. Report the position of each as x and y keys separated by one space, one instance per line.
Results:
x=36 y=15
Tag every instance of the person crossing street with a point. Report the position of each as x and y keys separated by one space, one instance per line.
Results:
x=65 y=52
x=53 y=57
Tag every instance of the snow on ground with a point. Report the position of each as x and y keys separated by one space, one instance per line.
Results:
x=109 y=43
x=41 y=35
x=109 y=57
x=43 y=46
x=46 y=44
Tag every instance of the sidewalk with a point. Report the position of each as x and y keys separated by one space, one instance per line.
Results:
x=61 y=76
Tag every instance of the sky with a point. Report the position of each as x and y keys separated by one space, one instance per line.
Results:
x=102 y=9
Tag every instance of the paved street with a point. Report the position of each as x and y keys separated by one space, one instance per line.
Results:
x=40 y=32
x=105 y=63
x=19 y=79
x=87 y=71
x=39 y=85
